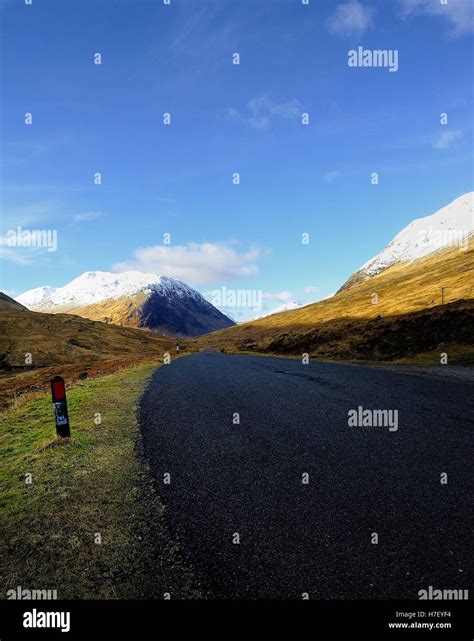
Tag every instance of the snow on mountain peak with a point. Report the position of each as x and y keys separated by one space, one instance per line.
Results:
x=284 y=307
x=35 y=296
x=450 y=226
x=95 y=286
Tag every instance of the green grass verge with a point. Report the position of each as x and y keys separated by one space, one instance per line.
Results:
x=97 y=484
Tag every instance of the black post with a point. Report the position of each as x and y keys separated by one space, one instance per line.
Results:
x=58 y=391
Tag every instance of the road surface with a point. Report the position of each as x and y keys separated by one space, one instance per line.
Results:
x=246 y=479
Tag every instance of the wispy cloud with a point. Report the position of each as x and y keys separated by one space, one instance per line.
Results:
x=194 y=263
x=28 y=214
x=20 y=152
x=311 y=289
x=459 y=13
x=23 y=253
x=87 y=216
x=42 y=212
x=16 y=255
x=351 y=19
x=13 y=255
x=446 y=139
x=330 y=176
x=202 y=35
x=284 y=297
x=261 y=111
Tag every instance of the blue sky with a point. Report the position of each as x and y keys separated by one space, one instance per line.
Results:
x=227 y=118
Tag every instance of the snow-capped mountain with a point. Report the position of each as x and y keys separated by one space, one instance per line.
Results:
x=35 y=297
x=284 y=307
x=93 y=287
x=131 y=298
x=451 y=226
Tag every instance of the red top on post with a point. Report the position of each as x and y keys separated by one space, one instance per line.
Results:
x=58 y=388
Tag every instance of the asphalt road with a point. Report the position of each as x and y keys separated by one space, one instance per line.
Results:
x=314 y=538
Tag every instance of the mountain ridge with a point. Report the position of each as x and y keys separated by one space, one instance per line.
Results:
x=131 y=299
x=451 y=225
x=6 y=302
x=96 y=286
x=284 y=307
x=410 y=309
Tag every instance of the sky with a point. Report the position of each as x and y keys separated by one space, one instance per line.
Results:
x=178 y=179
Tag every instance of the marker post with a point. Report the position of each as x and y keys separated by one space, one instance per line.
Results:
x=58 y=391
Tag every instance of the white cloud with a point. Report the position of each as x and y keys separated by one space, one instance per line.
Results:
x=13 y=255
x=28 y=214
x=86 y=216
x=330 y=176
x=194 y=263
x=460 y=13
x=446 y=139
x=284 y=297
x=350 y=19
x=311 y=289
x=261 y=111
x=22 y=254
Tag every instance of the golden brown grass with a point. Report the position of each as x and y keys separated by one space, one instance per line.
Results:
x=124 y=311
x=66 y=338
x=68 y=345
x=349 y=325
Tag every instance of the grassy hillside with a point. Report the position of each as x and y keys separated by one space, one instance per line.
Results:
x=54 y=339
x=393 y=315
x=94 y=484
x=178 y=316
x=7 y=302
x=124 y=311
x=67 y=345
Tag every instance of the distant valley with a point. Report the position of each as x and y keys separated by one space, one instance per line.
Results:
x=411 y=302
